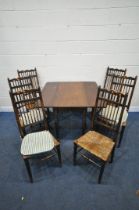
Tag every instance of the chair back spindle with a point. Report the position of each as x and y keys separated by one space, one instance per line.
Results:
x=109 y=109
x=19 y=84
x=29 y=110
x=124 y=84
x=109 y=76
x=32 y=73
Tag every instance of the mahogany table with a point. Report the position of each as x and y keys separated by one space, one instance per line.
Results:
x=59 y=95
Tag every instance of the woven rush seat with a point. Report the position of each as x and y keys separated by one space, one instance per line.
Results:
x=97 y=144
x=38 y=142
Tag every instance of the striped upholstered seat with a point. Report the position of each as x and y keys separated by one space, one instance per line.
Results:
x=36 y=143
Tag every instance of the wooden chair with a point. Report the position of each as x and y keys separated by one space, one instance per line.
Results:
x=100 y=141
x=32 y=73
x=37 y=141
x=20 y=84
x=109 y=75
x=124 y=84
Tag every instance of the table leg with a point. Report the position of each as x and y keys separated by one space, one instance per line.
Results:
x=84 y=120
x=48 y=117
x=92 y=119
x=56 y=110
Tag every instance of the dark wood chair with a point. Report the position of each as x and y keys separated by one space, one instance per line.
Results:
x=124 y=84
x=37 y=141
x=32 y=73
x=109 y=75
x=100 y=141
x=20 y=84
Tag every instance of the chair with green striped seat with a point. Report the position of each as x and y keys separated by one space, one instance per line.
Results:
x=37 y=141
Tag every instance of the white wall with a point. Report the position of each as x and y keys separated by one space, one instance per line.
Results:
x=68 y=40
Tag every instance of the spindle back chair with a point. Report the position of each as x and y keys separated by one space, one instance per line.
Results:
x=32 y=73
x=30 y=115
x=109 y=75
x=100 y=141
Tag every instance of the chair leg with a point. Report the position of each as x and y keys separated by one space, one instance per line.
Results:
x=74 y=154
x=22 y=132
x=101 y=173
x=121 y=136
x=28 y=170
x=59 y=154
x=112 y=155
x=56 y=113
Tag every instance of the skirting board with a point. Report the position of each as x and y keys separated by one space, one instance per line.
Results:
x=10 y=109
x=134 y=109
x=6 y=109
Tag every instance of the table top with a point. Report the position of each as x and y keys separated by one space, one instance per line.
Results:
x=69 y=94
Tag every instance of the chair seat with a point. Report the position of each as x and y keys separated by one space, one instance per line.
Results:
x=97 y=144
x=116 y=112
x=38 y=142
x=32 y=116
